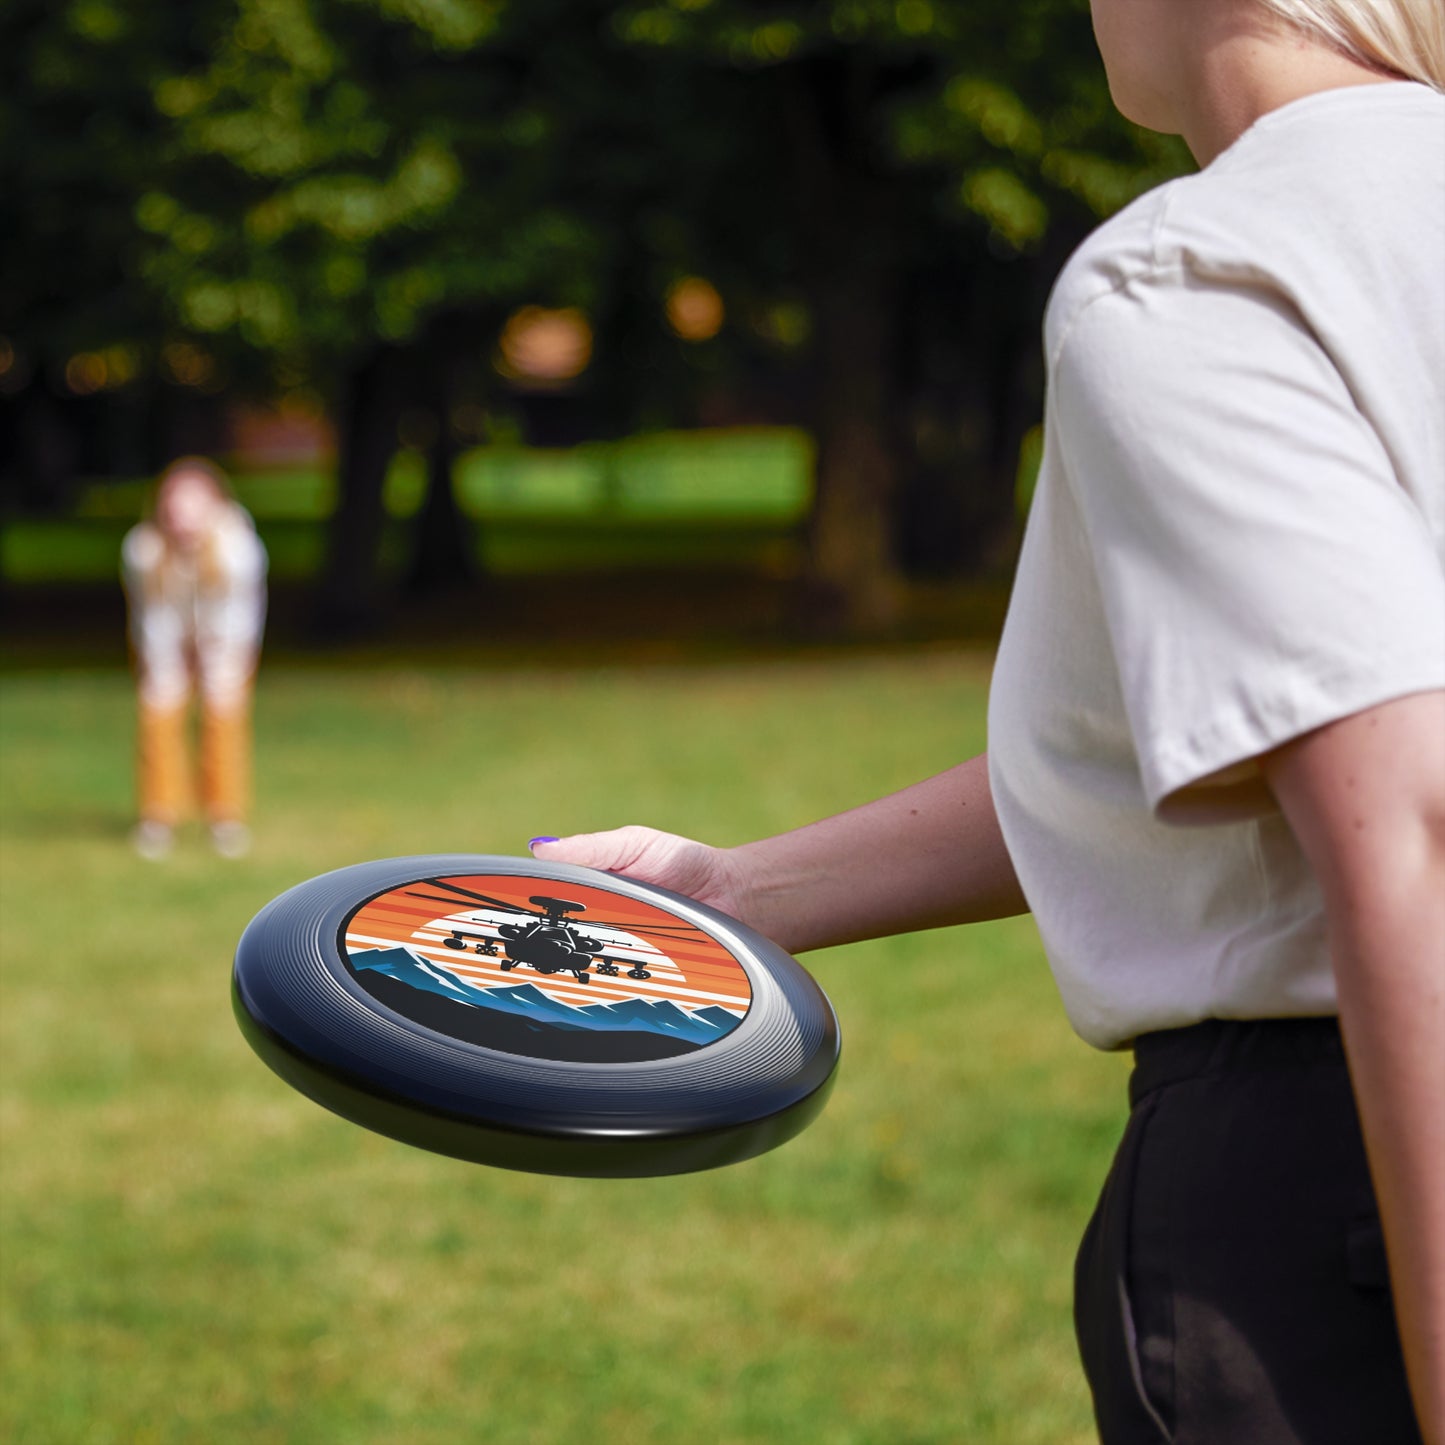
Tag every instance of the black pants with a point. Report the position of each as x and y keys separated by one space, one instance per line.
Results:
x=1231 y=1288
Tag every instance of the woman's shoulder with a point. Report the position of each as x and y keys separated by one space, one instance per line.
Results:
x=1337 y=193
x=1110 y=258
x=238 y=548
x=143 y=548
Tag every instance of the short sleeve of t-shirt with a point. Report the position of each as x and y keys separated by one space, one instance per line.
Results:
x=1261 y=568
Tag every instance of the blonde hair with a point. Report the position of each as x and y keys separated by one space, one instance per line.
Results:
x=1404 y=37
x=210 y=570
x=193 y=466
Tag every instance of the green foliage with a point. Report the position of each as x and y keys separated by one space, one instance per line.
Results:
x=300 y=178
x=79 y=140
x=341 y=173
x=191 y=1252
x=1003 y=106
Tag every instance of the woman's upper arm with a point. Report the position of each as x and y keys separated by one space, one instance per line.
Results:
x=1365 y=797
x=1261 y=567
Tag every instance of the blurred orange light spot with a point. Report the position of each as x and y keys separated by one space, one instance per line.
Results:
x=695 y=311
x=7 y=355
x=545 y=347
x=187 y=365
x=86 y=373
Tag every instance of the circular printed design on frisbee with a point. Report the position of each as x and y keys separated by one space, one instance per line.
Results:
x=574 y=974
x=533 y=1016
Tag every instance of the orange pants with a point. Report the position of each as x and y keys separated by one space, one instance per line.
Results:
x=163 y=762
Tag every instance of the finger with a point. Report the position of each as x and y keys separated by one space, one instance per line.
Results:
x=611 y=851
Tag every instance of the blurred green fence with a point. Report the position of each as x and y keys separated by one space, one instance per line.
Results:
x=733 y=497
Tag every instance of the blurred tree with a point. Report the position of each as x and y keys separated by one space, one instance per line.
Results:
x=363 y=190
x=369 y=188
x=355 y=194
x=924 y=165
x=79 y=139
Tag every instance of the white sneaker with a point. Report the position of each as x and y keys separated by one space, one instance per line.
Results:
x=231 y=839
x=152 y=840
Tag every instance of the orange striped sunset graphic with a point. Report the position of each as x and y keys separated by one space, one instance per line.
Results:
x=549 y=969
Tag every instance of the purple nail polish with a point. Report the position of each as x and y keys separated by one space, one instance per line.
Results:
x=532 y=843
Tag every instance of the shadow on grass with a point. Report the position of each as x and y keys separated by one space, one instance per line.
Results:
x=565 y=621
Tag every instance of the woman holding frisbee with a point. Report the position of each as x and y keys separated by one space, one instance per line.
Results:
x=1217 y=734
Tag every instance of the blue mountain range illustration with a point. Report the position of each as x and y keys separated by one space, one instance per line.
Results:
x=702 y=1026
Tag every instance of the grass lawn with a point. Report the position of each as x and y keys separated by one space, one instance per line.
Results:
x=191 y=1252
x=734 y=497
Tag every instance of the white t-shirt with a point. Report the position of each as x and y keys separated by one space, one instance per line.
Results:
x=196 y=619
x=1238 y=536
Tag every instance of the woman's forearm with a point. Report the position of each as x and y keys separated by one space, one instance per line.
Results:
x=926 y=857
x=1389 y=957
x=1366 y=799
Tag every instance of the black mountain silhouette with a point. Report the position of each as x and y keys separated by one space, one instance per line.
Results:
x=521 y=1019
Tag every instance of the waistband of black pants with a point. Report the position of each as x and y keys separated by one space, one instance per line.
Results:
x=1225 y=1046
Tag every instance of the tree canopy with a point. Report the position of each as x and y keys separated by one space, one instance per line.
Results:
x=351 y=196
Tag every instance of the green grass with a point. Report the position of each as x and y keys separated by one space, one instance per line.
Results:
x=731 y=497
x=87 y=550
x=191 y=1252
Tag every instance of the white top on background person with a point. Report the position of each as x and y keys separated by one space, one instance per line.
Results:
x=1238 y=536
x=1306 y=477
x=195 y=579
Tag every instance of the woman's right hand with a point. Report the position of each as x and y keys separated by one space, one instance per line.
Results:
x=927 y=857
x=710 y=875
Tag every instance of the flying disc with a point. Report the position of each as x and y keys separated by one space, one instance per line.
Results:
x=535 y=1016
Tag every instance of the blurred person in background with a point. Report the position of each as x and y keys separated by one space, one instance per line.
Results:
x=1216 y=767
x=195 y=583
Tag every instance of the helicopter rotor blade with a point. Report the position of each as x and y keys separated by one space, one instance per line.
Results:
x=431 y=898
x=511 y=907
x=684 y=930
x=482 y=897
x=636 y=925
x=679 y=930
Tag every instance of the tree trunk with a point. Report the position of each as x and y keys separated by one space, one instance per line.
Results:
x=443 y=557
x=974 y=387
x=47 y=450
x=350 y=601
x=852 y=561
x=851 y=260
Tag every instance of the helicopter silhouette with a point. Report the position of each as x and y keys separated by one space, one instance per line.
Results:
x=548 y=941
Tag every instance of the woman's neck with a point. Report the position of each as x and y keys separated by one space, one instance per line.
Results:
x=1243 y=69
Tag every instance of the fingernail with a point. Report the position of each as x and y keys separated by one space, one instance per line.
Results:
x=532 y=843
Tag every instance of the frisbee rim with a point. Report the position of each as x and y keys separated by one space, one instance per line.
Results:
x=604 y=1153
x=364 y=1078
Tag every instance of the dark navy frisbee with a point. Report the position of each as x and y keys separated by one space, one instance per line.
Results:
x=535 y=1016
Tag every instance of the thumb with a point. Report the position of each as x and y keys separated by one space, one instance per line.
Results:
x=612 y=851
x=681 y=864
